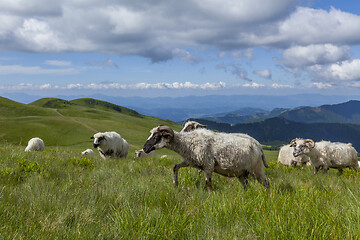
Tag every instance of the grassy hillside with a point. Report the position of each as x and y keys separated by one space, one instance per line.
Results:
x=56 y=194
x=71 y=123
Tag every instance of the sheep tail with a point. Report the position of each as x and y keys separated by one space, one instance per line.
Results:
x=264 y=159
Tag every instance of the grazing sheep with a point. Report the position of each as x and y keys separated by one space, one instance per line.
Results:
x=325 y=154
x=141 y=154
x=88 y=152
x=226 y=154
x=191 y=126
x=35 y=144
x=287 y=158
x=110 y=144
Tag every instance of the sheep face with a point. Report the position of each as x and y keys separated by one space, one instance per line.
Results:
x=98 y=139
x=160 y=137
x=302 y=146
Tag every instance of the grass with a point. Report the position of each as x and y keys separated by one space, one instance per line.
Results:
x=58 y=194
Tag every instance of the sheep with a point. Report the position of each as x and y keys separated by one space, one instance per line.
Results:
x=325 y=154
x=140 y=153
x=87 y=152
x=223 y=153
x=286 y=157
x=110 y=144
x=192 y=125
x=35 y=144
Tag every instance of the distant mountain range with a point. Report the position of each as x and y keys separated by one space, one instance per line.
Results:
x=348 y=112
x=338 y=122
x=181 y=108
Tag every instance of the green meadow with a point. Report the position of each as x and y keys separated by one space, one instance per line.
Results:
x=59 y=194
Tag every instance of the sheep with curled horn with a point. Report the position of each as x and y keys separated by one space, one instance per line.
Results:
x=287 y=158
x=325 y=154
x=223 y=153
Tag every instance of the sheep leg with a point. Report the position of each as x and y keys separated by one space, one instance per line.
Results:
x=244 y=179
x=340 y=171
x=208 y=180
x=324 y=170
x=316 y=169
x=176 y=170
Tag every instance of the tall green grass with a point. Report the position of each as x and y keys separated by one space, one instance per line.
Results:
x=58 y=194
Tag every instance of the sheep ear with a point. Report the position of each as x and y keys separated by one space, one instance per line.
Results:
x=91 y=137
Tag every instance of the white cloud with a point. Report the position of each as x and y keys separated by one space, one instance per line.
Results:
x=280 y=86
x=301 y=56
x=253 y=85
x=345 y=71
x=321 y=85
x=263 y=73
x=106 y=86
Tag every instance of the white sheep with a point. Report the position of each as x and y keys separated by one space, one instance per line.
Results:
x=226 y=154
x=287 y=158
x=35 y=144
x=88 y=152
x=110 y=144
x=325 y=154
x=191 y=126
x=141 y=154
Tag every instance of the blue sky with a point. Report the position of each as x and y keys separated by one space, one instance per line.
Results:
x=177 y=48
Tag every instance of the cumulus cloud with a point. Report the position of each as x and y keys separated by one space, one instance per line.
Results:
x=302 y=56
x=337 y=73
x=280 y=86
x=263 y=73
x=119 y=86
x=253 y=85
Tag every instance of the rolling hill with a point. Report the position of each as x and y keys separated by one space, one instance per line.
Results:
x=71 y=123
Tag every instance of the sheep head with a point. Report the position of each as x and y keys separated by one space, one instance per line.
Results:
x=98 y=139
x=302 y=146
x=160 y=137
x=191 y=126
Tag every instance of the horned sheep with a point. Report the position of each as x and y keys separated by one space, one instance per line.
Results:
x=35 y=144
x=223 y=153
x=110 y=144
x=325 y=154
x=286 y=157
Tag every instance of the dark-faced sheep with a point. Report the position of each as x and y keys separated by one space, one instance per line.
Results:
x=226 y=154
x=325 y=154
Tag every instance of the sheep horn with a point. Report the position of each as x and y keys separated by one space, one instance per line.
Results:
x=292 y=142
x=166 y=130
x=310 y=141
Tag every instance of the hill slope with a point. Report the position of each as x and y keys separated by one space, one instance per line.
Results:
x=71 y=123
x=348 y=112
